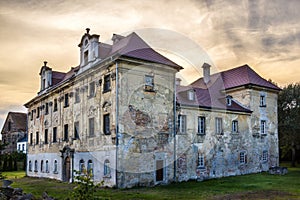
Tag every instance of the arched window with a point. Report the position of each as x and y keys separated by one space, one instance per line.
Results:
x=90 y=167
x=30 y=166
x=42 y=166
x=55 y=166
x=35 y=165
x=107 y=168
x=81 y=166
x=47 y=166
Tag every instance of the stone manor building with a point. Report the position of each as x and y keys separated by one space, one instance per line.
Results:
x=122 y=114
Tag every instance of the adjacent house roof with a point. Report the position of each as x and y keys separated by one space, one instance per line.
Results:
x=236 y=77
x=211 y=98
x=18 y=122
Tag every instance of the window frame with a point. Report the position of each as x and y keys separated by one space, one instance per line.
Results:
x=243 y=158
x=201 y=161
x=149 y=83
x=46 y=108
x=106 y=124
x=92 y=89
x=235 y=126
x=54 y=134
x=76 y=130
x=37 y=138
x=66 y=132
x=106 y=169
x=182 y=125
x=66 y=100
x=55 y=106
x=91 y=127
x=106 y=83
x=263 y=127
x=262 y=100
x=77 y=95
x=219 y=125
x=265 y=156
x=46 y=136
x=201 y=128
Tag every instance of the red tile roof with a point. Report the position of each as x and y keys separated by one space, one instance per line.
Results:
x=240 y=76
x=211 y=98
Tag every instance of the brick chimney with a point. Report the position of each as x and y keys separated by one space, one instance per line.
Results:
x=206 y=72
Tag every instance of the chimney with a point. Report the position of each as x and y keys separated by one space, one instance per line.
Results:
x=206 y=72
x=87 y=30
x=178 y=81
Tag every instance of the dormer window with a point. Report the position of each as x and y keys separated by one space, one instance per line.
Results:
x=86 y=42
x=228 y=100
x=191 y=95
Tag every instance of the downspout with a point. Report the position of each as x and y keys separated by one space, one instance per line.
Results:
x=117 y=123
x=174 y=129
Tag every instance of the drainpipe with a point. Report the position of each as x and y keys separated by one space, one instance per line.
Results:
x=174 y=128
x=117 y=123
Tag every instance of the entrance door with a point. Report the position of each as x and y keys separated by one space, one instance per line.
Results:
x=67 y=170
x=159 y=170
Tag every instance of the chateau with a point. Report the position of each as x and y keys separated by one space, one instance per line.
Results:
x=123 y=115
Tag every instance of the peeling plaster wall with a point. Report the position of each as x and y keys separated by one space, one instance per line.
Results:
x=89 y=106
x=146 y=121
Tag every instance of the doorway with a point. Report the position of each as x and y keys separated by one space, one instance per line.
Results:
x=159 y=170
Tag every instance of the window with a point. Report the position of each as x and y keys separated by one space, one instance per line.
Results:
x=219 y=126
x=55 y=105
x=262 y=100
x=47 y=109
x=182 y=123
x=106 y=85
x=235 y=126
x=91 y=127
x=54 y=139
x=47 y=166
x=262 y=127
x=92 y=89
x=149 y=83
x=76 y=130
x=35 y=165
x=19 y=147
x=55 y=166
x=90 y=167
x=191 y=95
x=107 y=171
x=30 y=166
x=9 y=126
x=201 y=162
x=42 y=166
x=23 y=147
x=228 y=100
x=66 y=100
x=31 y=135
x=86 y=57
x=201 y=125
x=37 y=112
x=265 y=156
x=243 y=157
x=106 y=124
x=77 y=97
x=37 y=138
x=66 y=132
x=31 y=115
x=81 y=166
x=46 y=136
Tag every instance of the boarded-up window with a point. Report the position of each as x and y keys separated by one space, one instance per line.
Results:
x=91 y=127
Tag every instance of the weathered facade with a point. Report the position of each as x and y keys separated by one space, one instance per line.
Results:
x=121 y=115
x=14 y=128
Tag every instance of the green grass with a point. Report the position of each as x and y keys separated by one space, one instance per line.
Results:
x=254 y=186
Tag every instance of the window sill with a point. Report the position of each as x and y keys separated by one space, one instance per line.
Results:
x=66 y=106
x=107 y=176
x=201 y=134
x=262 y=106
x=105 y=91
x=55 y=172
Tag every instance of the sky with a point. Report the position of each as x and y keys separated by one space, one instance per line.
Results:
x=265 y=34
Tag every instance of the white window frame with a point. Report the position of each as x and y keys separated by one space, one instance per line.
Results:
x=243 y=157
x=201 y=161
x=182 y=123
x=191 y=95
x=265 y=156
x=201 y=125
x=235 y=126
x=262 y=100
x=219 y=125
x=106 y=169
x=263 y=127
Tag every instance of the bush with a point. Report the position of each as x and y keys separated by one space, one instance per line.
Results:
x=86 y=187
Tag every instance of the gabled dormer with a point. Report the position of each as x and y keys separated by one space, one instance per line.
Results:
x=46 y=76
x=89 y=48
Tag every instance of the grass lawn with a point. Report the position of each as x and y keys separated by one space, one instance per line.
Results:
x=254 y=186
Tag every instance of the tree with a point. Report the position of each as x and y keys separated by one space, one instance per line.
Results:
x=289 y=120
